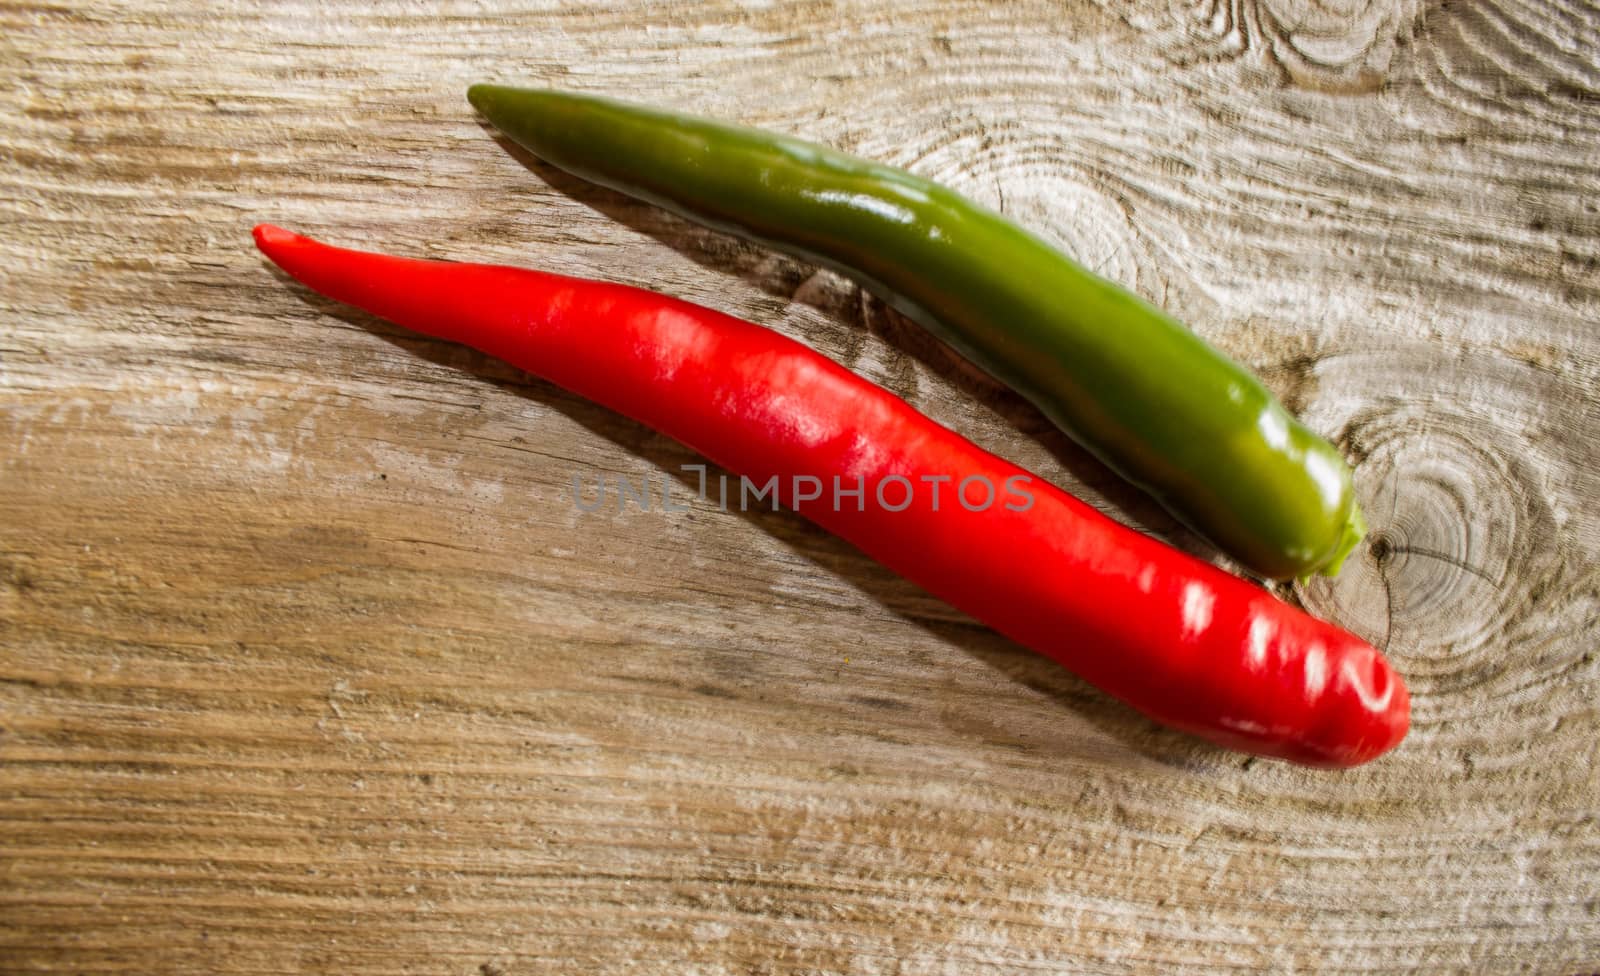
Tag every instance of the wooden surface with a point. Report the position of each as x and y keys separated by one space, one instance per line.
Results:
x=308 y=664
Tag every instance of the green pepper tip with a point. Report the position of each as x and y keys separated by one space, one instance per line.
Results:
x=1355 y=528
x=489 y=99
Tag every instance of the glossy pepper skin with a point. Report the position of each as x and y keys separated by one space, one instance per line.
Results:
x=1177 y=638
x=1148 y=397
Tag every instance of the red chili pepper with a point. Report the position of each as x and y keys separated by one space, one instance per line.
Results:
x=1180 y=640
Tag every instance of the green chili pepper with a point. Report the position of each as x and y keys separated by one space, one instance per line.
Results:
x=1148 y=397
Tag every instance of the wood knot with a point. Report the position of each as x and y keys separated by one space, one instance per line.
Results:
x=1380 y=548
x=1459 y=536
x=1343 y=46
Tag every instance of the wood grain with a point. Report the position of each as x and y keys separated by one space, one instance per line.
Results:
x=309 y=664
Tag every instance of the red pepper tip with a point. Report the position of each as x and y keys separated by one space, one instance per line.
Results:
x=269 y=236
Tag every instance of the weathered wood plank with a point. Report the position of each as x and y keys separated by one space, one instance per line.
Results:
x=307 y=661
